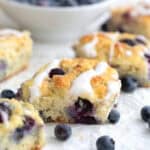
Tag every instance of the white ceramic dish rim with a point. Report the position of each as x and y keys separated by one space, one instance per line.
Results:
x=59 y=8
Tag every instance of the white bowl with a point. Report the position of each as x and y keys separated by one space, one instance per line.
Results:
x=56 y=23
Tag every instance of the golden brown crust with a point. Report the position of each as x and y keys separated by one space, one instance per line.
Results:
x=121 y=51
x=88 y=79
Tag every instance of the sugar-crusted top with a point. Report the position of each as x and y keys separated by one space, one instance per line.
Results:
x=86 y=78
x=109 y=46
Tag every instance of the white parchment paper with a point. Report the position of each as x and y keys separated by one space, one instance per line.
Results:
x=129 y=134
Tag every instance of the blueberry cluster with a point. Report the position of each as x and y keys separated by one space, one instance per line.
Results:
x=62 y=3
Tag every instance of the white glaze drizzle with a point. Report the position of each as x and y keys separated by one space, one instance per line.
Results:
x=114 y=38
x=89 y=49
x=81 y=86
x=35 y=88
x=113 y=88
x=6 y=32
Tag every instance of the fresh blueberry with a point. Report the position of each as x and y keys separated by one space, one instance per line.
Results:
x=56 y=71
x=114 y=116
x=105 y=143
x=63 y=132
x=85 y=2
x=129 y=42
x=7 y=94
x=129 y=83
x=145 y=113
x=68 y=3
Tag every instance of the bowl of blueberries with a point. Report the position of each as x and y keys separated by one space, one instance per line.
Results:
x=57 y=20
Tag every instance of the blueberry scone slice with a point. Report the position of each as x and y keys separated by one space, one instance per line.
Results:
x=73 y=91
x=21 y=127
x=133 y=19
x=15 y=52
x=128 y=53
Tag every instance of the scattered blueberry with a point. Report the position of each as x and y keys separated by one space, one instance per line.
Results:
x=7 y=94
x=105 y=143
x=129 y=42
x=63 y=132
x=56 y=71
x=129 y=83
x=114 y=116
x=145 y=113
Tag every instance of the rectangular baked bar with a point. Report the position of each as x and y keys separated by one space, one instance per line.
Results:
x=15 y=52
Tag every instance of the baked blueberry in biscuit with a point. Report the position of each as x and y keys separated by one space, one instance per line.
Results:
x=128 y=53
x=80 y=91
x=21 y=127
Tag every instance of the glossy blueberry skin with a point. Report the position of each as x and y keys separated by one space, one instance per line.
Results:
x=105 y=143
x=62 y=132
x=114 y=116
x=145 y=113
x=129 y=42
x=7 y=94
x=56 y=71
x=60 y=3
x=129 y=84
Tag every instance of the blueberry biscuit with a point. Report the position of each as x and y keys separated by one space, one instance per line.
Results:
x=73 y=91
x=133 y=19
x=21 y=128
x=128 y=53
x=15 y=51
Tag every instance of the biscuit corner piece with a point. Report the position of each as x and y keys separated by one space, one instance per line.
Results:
x=21 y=127
x=15 y=52
x=73 y=91
x=128 y=53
